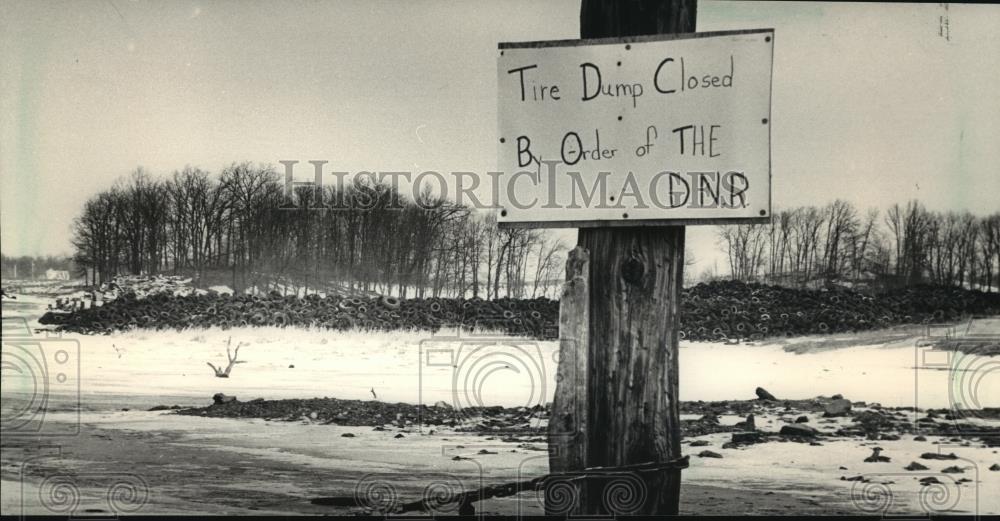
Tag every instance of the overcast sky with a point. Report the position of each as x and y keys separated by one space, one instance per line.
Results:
x=870 y=103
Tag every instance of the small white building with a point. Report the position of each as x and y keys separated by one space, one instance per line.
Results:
x=56 y=275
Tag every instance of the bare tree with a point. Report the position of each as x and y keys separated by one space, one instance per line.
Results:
x=547 y=264
x=744 y=244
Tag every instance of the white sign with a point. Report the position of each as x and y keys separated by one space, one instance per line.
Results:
x=671 y=129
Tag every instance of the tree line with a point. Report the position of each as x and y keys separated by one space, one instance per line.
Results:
x=241 y=229
x=32 y=267
x=906 y=245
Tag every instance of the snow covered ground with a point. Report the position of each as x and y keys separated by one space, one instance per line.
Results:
x=318 y=461
x=139 y=369
x=143 y=367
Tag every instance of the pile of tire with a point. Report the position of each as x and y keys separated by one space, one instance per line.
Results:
x=145 y=285
x=716 y=311
x=728 y=310
x=537 y=318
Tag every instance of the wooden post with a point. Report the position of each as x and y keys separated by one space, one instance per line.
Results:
x=568 y=421
x=634 y=286
x=634 y=414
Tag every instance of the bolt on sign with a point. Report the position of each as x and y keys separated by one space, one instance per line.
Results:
x=650 y=130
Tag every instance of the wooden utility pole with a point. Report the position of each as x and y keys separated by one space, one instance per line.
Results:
x=633 y=283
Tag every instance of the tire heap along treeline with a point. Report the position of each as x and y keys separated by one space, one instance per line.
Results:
x=521 y=317
x=731 y=309
x=711 y=311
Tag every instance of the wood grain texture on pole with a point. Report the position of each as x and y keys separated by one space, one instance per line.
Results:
x=635 y=290
x=567 y=430
x=615 y=18
x=634 y=414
